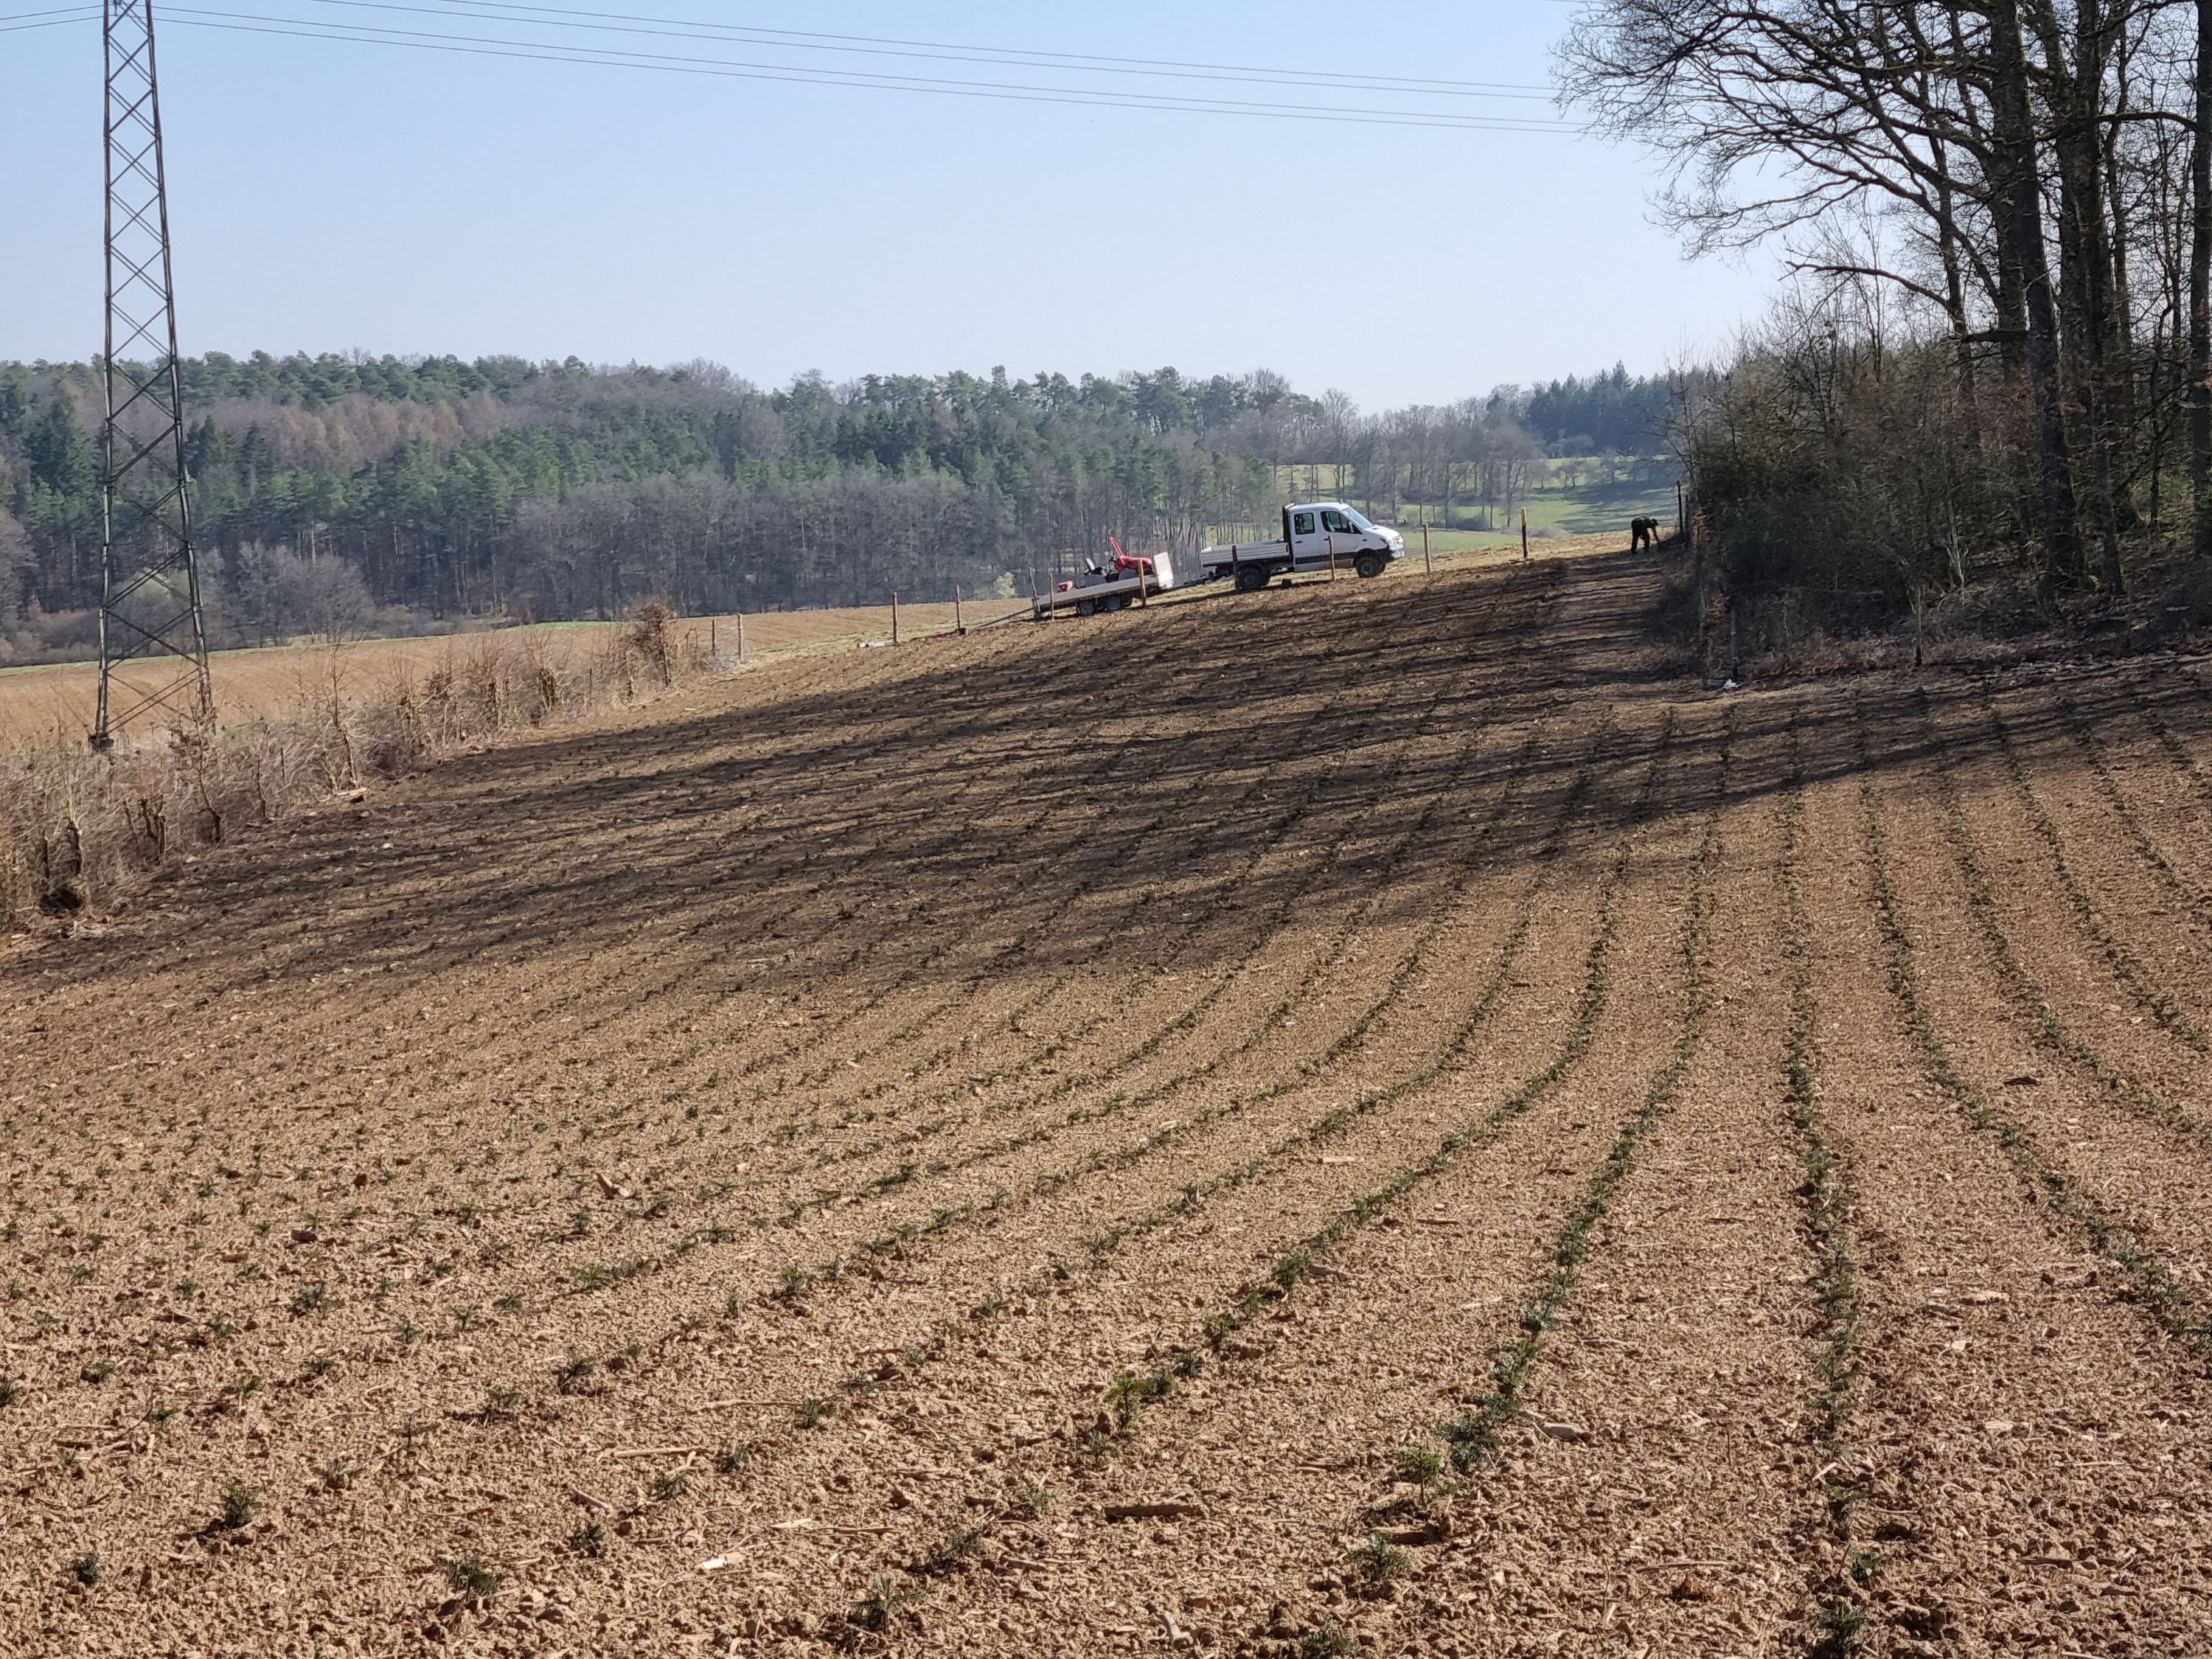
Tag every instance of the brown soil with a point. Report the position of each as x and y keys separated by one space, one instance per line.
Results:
x=1358 y=1119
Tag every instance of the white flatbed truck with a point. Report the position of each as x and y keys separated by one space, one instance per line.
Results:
x=1316 y=536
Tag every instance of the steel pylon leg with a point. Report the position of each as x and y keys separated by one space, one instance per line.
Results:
x=150 y=602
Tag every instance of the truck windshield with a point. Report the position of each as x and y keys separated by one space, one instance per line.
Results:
x=1359 y=522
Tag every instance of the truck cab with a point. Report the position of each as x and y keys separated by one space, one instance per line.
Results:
x=1316 y=536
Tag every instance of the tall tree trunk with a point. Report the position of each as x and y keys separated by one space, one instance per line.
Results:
x=2200 y=291
x=2016 y=149
x=1954 y=299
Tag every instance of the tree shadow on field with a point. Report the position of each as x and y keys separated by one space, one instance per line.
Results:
x=1010 y=796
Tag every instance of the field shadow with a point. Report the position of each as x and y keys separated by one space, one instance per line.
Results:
x=982 y=795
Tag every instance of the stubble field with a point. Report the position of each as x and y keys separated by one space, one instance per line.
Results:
x=1367 y=1119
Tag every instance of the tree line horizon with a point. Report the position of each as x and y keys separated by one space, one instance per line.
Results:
x=328 y=488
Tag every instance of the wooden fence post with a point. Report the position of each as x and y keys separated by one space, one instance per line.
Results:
x=895 y=639
x=1332 y=556
x=1428 y=565
x=741 y=636
x=714 y=640
x=1524 y=535
x=958 y=626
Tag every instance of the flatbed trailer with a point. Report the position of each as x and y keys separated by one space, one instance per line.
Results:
x=1115 y=595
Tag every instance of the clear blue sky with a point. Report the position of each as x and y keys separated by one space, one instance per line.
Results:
x=329 y=197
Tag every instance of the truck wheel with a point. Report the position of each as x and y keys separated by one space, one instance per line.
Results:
x=1368 y=563
x=1084 y=607
x=1251 y=577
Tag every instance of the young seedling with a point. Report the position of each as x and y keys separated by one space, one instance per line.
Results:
x=1377 y=1562
x=1418 y=1465
x=1839 y=1630
x=337 y=1475
x=732 y=1460
x=589 y=1539
x=1034 y=1499
x=309 y=1298
x=238 y=1503
x=956 y=1548
x=573 y=1373
x=86 y=1569
x=469 y=1578
x=1328 y=1642
x=812 y=1412
x=10 y=1391
x=668 y=1486
x=501 y=1402
x=1129 y=1393
x=1425 y=1470
x=873 y=1611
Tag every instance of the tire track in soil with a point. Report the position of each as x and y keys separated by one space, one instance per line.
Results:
x=799 y=854
x=1257 y=1438
x=1135 y=1295
x=1375 y=651
x=793 y=1210
x=1031 y=1057
x=2002 y=1392
x=1646 y=1485
x=2109 y=755
x=2151 y=987
x=1191 y=839
x=405 y=1312
x=804 y=1445
x=2027 y=1463
x=2123 y=1173
x=1996 y=924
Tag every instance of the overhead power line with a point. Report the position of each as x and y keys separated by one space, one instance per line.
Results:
x=948 y=51
x=1120 y=95
x=10 y=25
x=749 y=69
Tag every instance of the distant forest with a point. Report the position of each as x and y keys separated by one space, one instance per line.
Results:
x=334 y=494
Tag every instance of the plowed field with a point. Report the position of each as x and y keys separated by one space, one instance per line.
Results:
x=1366 y=1119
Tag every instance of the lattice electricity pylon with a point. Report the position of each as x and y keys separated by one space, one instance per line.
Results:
x=149 y=604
